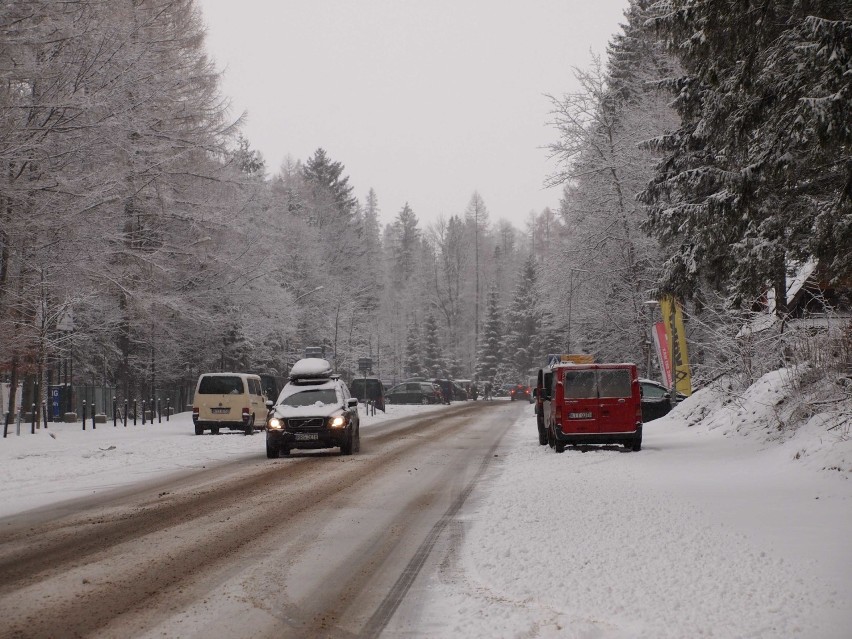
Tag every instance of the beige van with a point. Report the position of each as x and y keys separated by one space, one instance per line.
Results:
x=228 y=400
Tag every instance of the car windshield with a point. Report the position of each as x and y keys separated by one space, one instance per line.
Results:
x=220 y=385
x=311 y=397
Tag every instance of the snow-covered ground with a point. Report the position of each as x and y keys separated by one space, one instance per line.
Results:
x=64 y=461
x=724 y=525
x=715 y=529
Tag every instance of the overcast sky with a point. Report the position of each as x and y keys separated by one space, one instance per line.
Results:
x=425 y=101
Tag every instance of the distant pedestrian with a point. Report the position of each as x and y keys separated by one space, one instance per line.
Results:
x=487 y=394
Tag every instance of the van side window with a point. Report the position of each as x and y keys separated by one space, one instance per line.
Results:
x=614 y=383
x=580 y=384
x=254 y=387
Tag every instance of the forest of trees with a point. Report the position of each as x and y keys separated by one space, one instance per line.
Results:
x=709 y=151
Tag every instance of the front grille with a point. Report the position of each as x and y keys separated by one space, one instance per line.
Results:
x=305 y=422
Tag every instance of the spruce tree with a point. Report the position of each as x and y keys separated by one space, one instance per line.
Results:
x=523 y=323
x=433 y=361
x=490 y=355
x=413 y=352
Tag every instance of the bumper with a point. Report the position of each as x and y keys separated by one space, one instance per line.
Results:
x=322 y=438
x=575 y=439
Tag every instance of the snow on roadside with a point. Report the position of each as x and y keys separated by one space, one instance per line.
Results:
x=64 y=461
x=704 y=533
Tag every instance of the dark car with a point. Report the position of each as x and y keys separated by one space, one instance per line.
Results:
x=519 y=391
x=656 y=399
x=414 y=393
x=314 y=410
x=368 y=389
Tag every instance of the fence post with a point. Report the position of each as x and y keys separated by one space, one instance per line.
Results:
x=33 y=415
x=94 y=410
x=44 y=412
x=168 y=407
x=125 y=412
x=84 y=414
x=114 y=412
x=143 y=412
x=134 y=412
x=159 y=412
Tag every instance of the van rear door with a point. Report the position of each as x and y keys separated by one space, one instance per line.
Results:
x=579 y=389
x=615 y=402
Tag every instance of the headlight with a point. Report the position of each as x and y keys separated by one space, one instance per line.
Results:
x=276 y=424
x=338 y=422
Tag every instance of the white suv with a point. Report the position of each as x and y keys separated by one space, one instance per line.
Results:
x=314 y=410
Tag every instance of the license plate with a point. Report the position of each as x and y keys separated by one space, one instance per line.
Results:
x=579 y=415
x=306 y=437
x=220 y=411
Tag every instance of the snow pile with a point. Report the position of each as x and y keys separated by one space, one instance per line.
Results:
x=812 y=422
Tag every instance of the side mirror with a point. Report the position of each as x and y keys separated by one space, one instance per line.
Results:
x=269 y=404
x=352 y=402
x=668 y=396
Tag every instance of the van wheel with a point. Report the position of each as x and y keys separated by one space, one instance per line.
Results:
x=551 y=441
x=199 y=430
x=214 y=430
x=637 y=445
x=559 y=447
x=285 y=451
x=542 y=436
x=272 y=451
x=250 y=428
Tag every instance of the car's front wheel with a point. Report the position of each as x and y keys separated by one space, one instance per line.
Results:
x=272 y=451
x=346 y=447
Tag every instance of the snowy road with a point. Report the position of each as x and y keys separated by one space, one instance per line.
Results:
x=463 y=527
x=311 y=546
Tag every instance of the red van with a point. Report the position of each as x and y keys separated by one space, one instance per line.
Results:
x=593 y=404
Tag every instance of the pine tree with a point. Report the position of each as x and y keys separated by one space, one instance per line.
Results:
x=490 y=354
x=759 y=172
x=433 y=361
x=523 y=323
x=413 y=352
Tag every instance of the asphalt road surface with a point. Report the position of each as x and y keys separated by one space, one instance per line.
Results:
x=315 y=545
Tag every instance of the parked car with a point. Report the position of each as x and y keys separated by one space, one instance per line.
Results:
x=503 y=390
x=594 y=404
x=519 y=391
x=414 y=393
x=228 y=400
x=314 y=410
x=368 y=389
x=656 y=399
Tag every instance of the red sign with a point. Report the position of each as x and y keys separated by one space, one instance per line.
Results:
x=663 y=353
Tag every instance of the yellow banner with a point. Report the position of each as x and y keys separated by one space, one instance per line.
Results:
x=676 y=337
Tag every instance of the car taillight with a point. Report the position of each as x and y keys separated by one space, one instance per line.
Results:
x=246 y=413
x=195 y=412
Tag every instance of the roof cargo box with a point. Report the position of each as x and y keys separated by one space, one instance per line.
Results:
x=311 y=368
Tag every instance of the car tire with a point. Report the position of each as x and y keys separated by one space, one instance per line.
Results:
x=559 y=447
x=551 y=441
x=199 y=430
x=214 y=430
x=424 y=400
x=284 y=452
x=542 y=436
x=637 y=445
x=272 y=451
x=250 y=428
x=346 y=446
